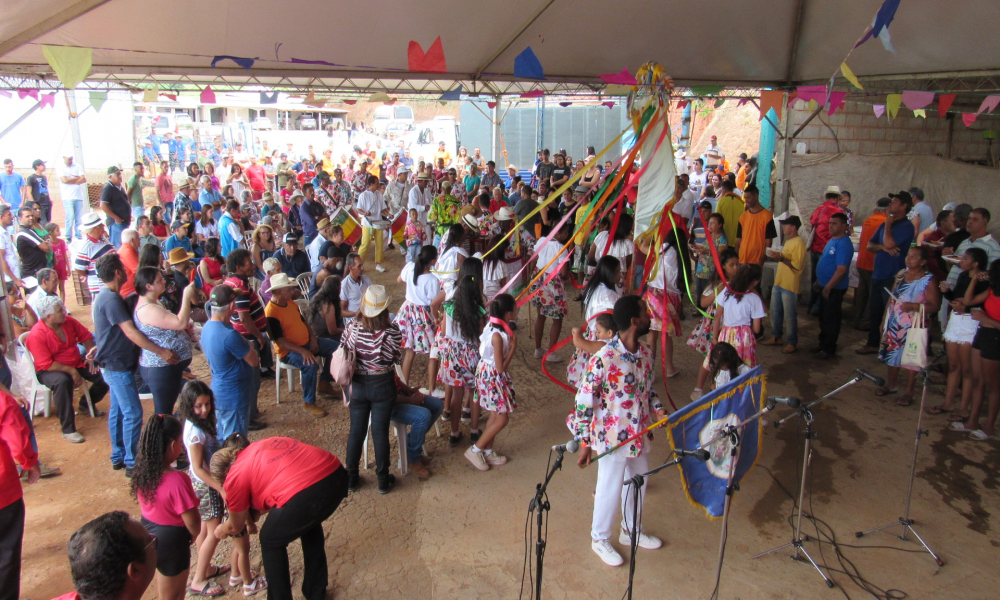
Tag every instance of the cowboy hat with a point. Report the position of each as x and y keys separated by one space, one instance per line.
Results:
x=280 y=280
x=178 y=256
x=90 y=221
x=505 y=213
x=374 y=302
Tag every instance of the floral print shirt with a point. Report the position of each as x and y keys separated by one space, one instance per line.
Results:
x=359 y=182
x=616 y=399
x=341 y=193
x=445 y=212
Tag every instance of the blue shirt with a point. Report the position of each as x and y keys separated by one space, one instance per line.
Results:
x=156 y=142
x=232 y=377
x=886 y=266
x=172 y=242
x=838 y=252
x=10 y=189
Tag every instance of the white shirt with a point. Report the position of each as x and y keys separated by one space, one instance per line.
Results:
x=685 y=205
x=208 y=231
x=10 y=252
x=713 y=155
x=601 y=300
x=723 y=377
x=446 y=268
x=743 y=312
x=352 y=291
x=421 y=200
x=486 y=344
x=667 y=276
x=312 y=251
x=372 y=203
x=397 y=195
x=421 y=291
x=696 y=181
x=35 y=297
x=620 y=249
x=72 y=191
x=548 y=252
x=493 y=274
x=194 y=435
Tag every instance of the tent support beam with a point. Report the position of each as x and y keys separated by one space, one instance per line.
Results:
x=57 y=20
x=513 y=38
x=793 y=50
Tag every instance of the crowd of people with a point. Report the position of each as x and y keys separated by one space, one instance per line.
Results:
x=243 y=258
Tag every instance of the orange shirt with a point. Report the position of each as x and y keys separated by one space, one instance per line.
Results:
x=866 y=260
x=754 y=231
x=286 y=321
x=130 y=258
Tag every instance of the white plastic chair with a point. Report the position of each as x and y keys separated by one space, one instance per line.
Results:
x=304 y=280
x=35 y=387
x=279 y=367
x=254 y=284
x=400 y=431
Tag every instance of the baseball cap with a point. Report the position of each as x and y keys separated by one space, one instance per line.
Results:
x=177 y=224
x=792 y=220
x=223 y=295
x=291 y=238
x=112 y=170
x=38 y=162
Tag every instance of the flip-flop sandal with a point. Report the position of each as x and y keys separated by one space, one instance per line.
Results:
x=980 y=436
x=884 y=391
x=904 y=400
x=956 y=418
x=960 y=427
x=219 y=570
x=211 y=589
x=939 y=410
x=674 y=374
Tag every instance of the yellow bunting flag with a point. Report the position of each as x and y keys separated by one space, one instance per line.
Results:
x=151 y=94
x=920 y=112
x=617 y=89
x=892 y=102
x=849 y=75
x=379 y=97
x=72 y=65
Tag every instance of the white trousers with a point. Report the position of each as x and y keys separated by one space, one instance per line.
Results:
x=612 y=472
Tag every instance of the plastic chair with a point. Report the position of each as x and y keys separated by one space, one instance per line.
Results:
x=36 y=387
x=254 y=284
x=304 y=280
x=400 y=430
x=282 y=366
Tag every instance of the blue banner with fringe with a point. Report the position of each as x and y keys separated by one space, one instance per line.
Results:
x=700 y=422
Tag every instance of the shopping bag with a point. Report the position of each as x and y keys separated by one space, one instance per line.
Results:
x=915 y=351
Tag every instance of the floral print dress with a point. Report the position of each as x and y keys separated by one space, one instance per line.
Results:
x=898 y=321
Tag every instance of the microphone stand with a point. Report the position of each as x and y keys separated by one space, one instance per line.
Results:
x=637 y=482
x=798 y=539
x=541 y=505
x=905 y=521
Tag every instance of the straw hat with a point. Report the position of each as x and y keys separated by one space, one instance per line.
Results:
x=505 y=213
x=178 y=256
x=90 y=221
x=470 y=221
x=280 y=280
x=423 y=177
x=374 y=301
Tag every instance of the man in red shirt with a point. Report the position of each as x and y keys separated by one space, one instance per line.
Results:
x=820 y=221
x=15 y=445
x=257 y=177
x=129 y=253
x=866 y=264
x=52 y=343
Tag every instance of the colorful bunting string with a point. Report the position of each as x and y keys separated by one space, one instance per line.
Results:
x=915 y=100
x=23 y=93
x=72 y=65
x=989 y=103
x=944 y=103
x=432 y=61
x=879 y=110
x=969 y=118
x=623 y=78
x=246 y=63
x=836 y=102
x=849 y=75
x=527 y=66
x=771 y=99
x=47 y=100
x=892 y=103
x=208 y=95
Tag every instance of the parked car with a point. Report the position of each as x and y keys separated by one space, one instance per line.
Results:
x=183 y=120
x=262 y=123
x=305 y=122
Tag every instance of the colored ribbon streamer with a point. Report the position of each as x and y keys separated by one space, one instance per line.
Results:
x=559 y=345
x=246 y=63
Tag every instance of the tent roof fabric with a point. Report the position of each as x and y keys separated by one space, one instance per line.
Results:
x=759 y=44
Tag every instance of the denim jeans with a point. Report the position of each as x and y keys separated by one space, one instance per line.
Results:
x=309 y=372
x=372 y=397
x=165 y=384
x=137 y=211
x=412 y=251
x=830 y=317
x=419 y=417
x=783 y=314
x=228 y=422
x=124 y=416
x=168 y=212
x=115 y=233
x=74 y=216
x=878 y=297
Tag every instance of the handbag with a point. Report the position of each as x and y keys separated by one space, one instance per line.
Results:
x=342 y=366
x=915 y=350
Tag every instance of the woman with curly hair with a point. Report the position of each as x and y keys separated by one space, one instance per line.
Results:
x=459 y=349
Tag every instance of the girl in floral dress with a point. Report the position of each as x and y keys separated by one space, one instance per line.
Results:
x=494 y=387
x=738 y=315
x=600 y=295
x=551 y=297
x=701 y=337
x=424 y=297
x=459 y=350
x=915 y=286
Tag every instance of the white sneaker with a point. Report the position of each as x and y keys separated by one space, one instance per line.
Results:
x=645 y=541
x=438 y=393
x=608 y=554
x=697 y=394
x=555 y=358
x=478 y=459
x=539 y=353
x=380 y=268
x=74 y=437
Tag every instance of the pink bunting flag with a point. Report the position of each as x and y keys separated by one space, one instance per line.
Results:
x=6 y=94
x=916 y=100
x=969 y=118
x=533 y=94
x=208 y=95
x=812 y=92
x=879 y=110
x=47 y=100
x=989 y=103
x=623 y=78
x=565 y=104
x=743 y=101
x=23 y=93
x=836 y=102
x=350 y=102
x=608 y=104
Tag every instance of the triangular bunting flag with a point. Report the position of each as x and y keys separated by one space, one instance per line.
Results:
x=617 y=90
x=171 y=96
x=719 y=102
x=271 y=98
x=455 y=94
x=812 y=92
x=350 y=102
x=47 y=100
x=743 y=101
x=208 y=95
x=969 y=118
x=6 y=94
x=944 y=103
x=989 y=103
x=849 y=75
x=72 y=65
x=683 y=103
x=378 y=97
x=97 y=100
x=526 y=65
x=920 y=113
x=879 y=110
x=623 y=78
x=151 y=94
x=836 y=102
x=915 y=100
x=770 y=99
x=246 y=63
x=565 y=104
x=23 y=93
x=431 y=62
x=610 y=104
x=533 y=94
x=892 y=102
x=491 y=104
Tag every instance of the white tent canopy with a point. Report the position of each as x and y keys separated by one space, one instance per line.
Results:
x=737 y=43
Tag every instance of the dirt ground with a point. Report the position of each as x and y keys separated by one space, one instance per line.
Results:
x=461 y=534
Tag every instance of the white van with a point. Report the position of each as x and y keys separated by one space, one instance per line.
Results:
x=384 y=115
x=423 y=141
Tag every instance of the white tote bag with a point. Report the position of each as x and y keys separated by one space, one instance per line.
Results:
x=915 y=351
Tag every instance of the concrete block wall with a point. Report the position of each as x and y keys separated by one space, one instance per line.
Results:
x=858 y=131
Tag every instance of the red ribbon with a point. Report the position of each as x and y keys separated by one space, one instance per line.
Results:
x=558 y=346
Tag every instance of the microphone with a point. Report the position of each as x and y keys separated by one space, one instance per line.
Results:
x=874 y=378
x=791 y=402
x=700 y=454
x=571 y=446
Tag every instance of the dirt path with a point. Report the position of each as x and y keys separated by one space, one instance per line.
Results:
x=461 y=533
